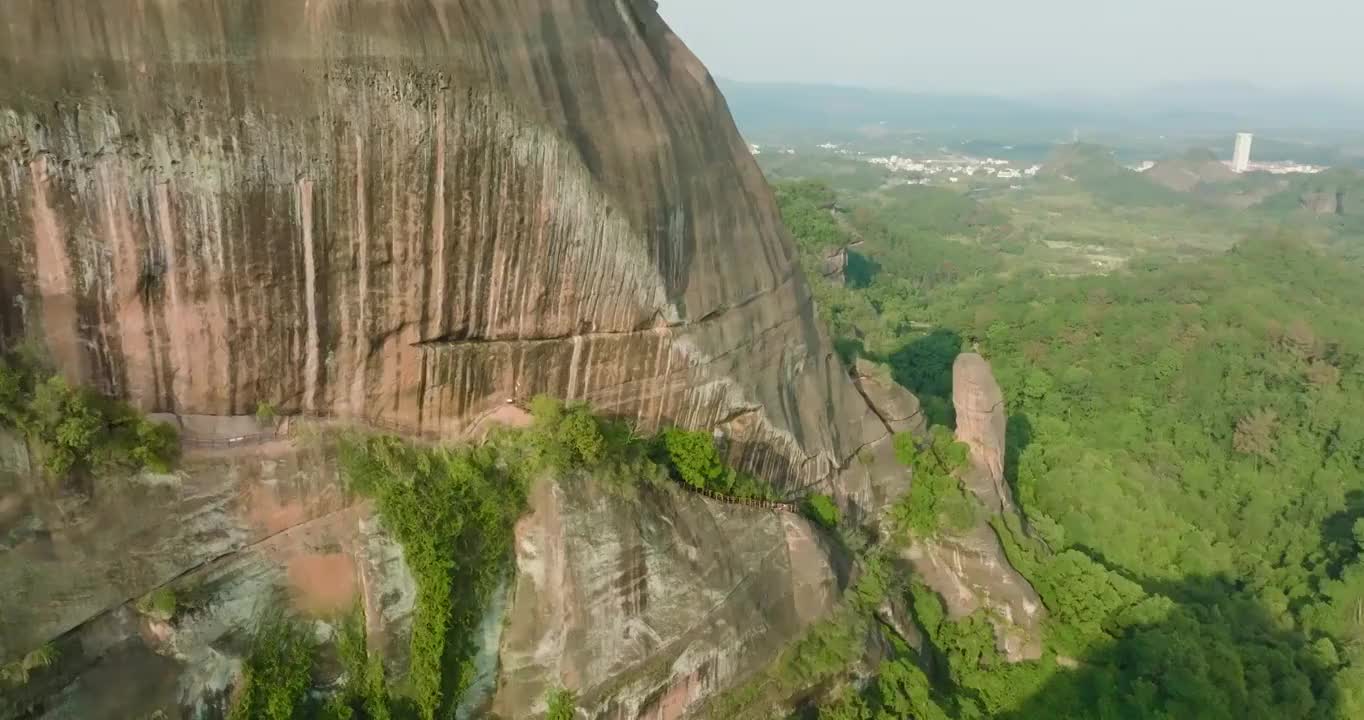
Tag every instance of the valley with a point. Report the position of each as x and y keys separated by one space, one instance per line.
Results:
x=1177 y=376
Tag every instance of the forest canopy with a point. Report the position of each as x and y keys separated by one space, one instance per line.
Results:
x=1184 y=444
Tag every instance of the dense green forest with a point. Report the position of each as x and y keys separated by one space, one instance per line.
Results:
x=1185 y=445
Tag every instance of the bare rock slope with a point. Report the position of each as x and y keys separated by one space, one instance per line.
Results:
x=407 y=211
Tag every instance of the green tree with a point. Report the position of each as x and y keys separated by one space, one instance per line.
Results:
x=580 y=431
x=693 y=455
x=277 y=673
x=821 y=509
x=563 y=705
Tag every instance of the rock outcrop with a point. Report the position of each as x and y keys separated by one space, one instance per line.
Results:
x=1187 y=173
x=897 y=407
x=406 y=211
x=969 y=569
x=982 y=422
x=228 y=535
x=648 y=604
x=645 y=600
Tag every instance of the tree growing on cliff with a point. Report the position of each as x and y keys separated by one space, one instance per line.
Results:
x=453 y=511
x=693 y=455
x=935 y=500
x=563 y=705
x=277 y=673
x=76 y=428
x=822 y=510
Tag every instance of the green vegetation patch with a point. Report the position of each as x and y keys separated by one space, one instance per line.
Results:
x=365 y=692
x=936 y=500
x=76 y=429
x=17 y=672
x=694 y=459
x=277 y=673
x=160 y=603
x=821 y=509
x=563 y=705
x=453 y=512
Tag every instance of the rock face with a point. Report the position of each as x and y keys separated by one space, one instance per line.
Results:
x=897 y=407
x=229 y=534
x=407 y=211
x=644 y=600
x=410 y=212
x=982 y=422
x=647 y=605
x=834 y=265
x=969 y=569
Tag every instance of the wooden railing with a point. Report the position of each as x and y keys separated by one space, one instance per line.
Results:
x=747 y=502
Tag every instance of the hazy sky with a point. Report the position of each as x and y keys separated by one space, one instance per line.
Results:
x=1019 y=47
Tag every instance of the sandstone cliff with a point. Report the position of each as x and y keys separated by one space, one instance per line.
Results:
x=644 y=602
x=407 y=211
x=403 y=212
x=982 y=423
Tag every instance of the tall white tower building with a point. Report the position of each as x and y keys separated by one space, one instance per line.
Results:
x=1240 y=161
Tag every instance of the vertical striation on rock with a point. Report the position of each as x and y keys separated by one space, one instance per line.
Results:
x=404 y=210
x=407 y=212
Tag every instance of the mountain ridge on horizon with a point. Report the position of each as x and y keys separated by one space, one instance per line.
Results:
x=1195 y=106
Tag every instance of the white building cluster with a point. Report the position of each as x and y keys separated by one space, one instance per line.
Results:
x=955 y=167
x=1284 y=168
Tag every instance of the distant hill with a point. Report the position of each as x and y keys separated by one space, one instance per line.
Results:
x=1096 y=169
x=1082 y=161
x=1215 y=104
x=1204 y=108
x=767 y=106
x=1194 y=168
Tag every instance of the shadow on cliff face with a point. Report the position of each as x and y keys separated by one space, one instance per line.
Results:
x=924 y=366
